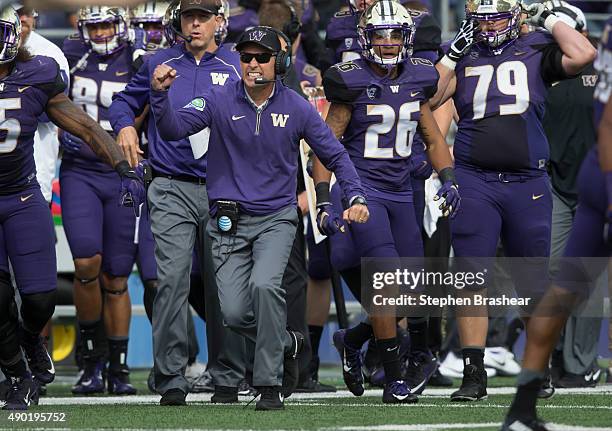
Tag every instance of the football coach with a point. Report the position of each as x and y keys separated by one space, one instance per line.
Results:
x=255 y=129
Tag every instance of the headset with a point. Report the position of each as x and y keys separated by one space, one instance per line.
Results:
x=175 y=20
x=283 y=61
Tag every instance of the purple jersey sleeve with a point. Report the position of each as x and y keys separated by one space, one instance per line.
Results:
x=130 y=103
x=174 y=124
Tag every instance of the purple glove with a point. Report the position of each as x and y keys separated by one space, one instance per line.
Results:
x=69 y=142
x=452 y=201
x=133 y=192
x=420 y=168
x=328 y=222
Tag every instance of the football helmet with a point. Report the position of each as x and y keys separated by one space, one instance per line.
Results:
x=495 y=10
x=386 y=18
x=221 y=31
x=101 y=14
x=152 y=12
x=10 y=26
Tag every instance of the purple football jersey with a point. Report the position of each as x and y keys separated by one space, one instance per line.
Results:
x=500 y=101
x=94 y=81
x=24 y=94
x=384 y=120
x=603 y=65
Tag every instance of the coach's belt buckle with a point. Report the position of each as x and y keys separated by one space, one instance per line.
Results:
x=502 y=178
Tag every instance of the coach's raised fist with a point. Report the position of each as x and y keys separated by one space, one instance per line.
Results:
x=163 y=77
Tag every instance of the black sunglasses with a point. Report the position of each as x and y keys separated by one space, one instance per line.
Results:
x=262 y=58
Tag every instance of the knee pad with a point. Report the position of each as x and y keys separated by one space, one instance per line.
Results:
x=85 y=281
x=115 y=292
x=37 y=309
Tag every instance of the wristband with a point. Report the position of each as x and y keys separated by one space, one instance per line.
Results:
x=447 y=174
x=448 y=62
x=322 y=193
x=358 y=200
x=550 y=21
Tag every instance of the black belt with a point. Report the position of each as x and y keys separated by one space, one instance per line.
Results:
x=185 y=178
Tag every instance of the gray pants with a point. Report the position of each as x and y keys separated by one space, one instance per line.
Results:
x=179 y=214
x=250 y=266
x=580 y=336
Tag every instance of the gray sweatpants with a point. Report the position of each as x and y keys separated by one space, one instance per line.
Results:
x=580 y=337
x=179 y=214
x=250 y=266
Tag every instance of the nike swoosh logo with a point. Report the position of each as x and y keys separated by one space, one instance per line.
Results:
x=417 y=387
x=25 y=198
x=121 y=73
x=497 y=361
x=414 y=93
x=27 y=398
x=519 y=53
x=22 y=89
x=400 y=397
x=587 y=377
x=52 y=369
x=596 y=375
x=536 y=197
x=235 y=117
x=390 y=349
x=86 y=383
x=346 y=368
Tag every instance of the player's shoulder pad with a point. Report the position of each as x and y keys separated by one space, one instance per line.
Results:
x=343 y=14
x=74 y=47
x=428 y=35
x=421 y=72
x=39 y=71
x=344 y=82
x=535 y=39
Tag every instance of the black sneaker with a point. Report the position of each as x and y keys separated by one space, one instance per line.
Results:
x=547 y=390
x=39 y=360
x=523 y=424
x=571 y=380
x=421 y=366
x=311 y=385
x=225 y=395
x=398 y=392
x=22 y=393
x=438 y=380
x=173 y=397
x=271 y=398
x=474 y=385
x=246 y=390
x=291 y=369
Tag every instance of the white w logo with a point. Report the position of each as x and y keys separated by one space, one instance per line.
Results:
x=279 y=120
x=394 y=89
x=219 y=78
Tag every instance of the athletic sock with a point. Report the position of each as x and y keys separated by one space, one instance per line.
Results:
x=358 y=335
x=389 y=354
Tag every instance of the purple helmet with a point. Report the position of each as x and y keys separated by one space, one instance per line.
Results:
x=102 y=14
x=495 y=10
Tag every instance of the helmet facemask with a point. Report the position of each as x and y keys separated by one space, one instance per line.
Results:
x=491 y=11
x=386 y=21
x=96 y=15
x=10 y=35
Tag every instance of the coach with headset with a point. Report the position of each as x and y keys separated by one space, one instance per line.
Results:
x=255 y=128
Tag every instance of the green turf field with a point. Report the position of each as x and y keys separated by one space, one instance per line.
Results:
x=576 y=410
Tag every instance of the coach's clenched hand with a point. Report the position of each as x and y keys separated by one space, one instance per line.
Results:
x=356 y=213
x=163 y=77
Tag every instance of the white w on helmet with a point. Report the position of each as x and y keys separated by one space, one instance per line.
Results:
x=386 y=24
x=569 y=14
x=10 y=28
x=91 y=15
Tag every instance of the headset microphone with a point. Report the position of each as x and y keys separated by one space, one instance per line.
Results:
x=183 y=36
x=263 y=81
